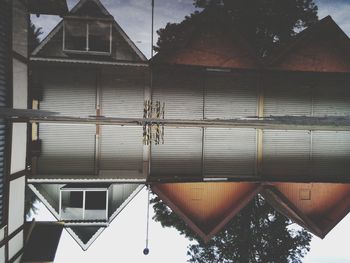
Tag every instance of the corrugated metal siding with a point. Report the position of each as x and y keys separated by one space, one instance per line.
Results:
x=180 y=155
x=5 y=31
x=229 y=152
x=121 y=148
x=331 y=100
x=122 y=97
x=286 y=153
x=287 y=97
x=331 y=153
x=67 y=149
x=71 y=92
x=230 y=96
x=183 y=96
x=20 y=28
x=118 y=195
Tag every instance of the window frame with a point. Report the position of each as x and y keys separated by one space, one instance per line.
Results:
x=84 y=190
x=86 y=22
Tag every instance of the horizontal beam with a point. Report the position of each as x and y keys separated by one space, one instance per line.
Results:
x=329 y=123
x=295 y=123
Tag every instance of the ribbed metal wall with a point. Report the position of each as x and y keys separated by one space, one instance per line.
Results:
x=5 y=47
x=122 y=97
x=67 y=149
x=229 y=96
x=287 y=96
x=229 y=152
x=180 y=155
x=71 y=92
x=331 y=99
x=121 y=148
x=286 y=153
x=331 y=153
x=118 y=194
x=182 y=95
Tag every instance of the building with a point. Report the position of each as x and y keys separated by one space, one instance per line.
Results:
x=14 y=24
x=234 y=125
x=86 y=174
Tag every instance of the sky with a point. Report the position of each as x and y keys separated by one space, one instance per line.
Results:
x=123 y=241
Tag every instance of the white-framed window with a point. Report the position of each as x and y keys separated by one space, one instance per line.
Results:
x=87 y=36
x=83 y=204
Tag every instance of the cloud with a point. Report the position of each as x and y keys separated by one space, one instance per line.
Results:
x=338 y=9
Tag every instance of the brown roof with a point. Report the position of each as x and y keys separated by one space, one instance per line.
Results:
x=212 y=47
x=206 y=207
x=318 y=207
x=323 y=47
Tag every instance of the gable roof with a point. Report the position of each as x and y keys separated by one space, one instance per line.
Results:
x=209 y=45
x=322 y=47
x=92 y=9
x=84 y=233
x=206 y=207
x=318 y=207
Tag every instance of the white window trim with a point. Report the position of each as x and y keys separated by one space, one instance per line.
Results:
x=84 y=190
x=87 y=51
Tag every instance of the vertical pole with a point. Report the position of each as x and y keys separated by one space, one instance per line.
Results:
x=146 y=250
x=84 y=204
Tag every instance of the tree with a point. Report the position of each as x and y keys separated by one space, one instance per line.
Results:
x=265 y=23
x=257 y=234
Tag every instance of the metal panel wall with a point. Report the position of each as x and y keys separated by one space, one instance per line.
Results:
x=331 y=153
x=121 y=148
x=180 y=155
x=331 y=99
x=229 y=96
x=67 y=149
x=71 y=92
x=182 y=95
x=287 y=96
x=5 y=64
x=286 y=153
x=122 y=97
x=229 y=152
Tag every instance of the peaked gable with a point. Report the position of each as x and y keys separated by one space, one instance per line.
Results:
x=119 y=197
x=206 y=207
x=210 y=45
x=323 y=47
x=123 y=49
x=318 y=207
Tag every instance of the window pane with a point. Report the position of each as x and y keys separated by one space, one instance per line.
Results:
x=95 y=200
x=75 y=35
x=99 y=33
x=72 y=205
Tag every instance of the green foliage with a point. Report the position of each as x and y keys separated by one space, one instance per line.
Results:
x=257 y=234
x=265 y=23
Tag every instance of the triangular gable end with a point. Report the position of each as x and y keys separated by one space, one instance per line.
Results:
x=318 y=207
x=92 y=8
x=213 y=48
x=206 y=207
x=85 y=235
x=323 y=47
x=52 y=43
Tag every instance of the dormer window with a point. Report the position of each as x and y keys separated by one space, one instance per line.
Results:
x=83 y=203
x=87 y=36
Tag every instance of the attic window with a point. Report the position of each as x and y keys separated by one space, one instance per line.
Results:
x=81 y=204
x=87 y=36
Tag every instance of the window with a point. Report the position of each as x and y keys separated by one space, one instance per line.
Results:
x=83 y=204
x=87 y=36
